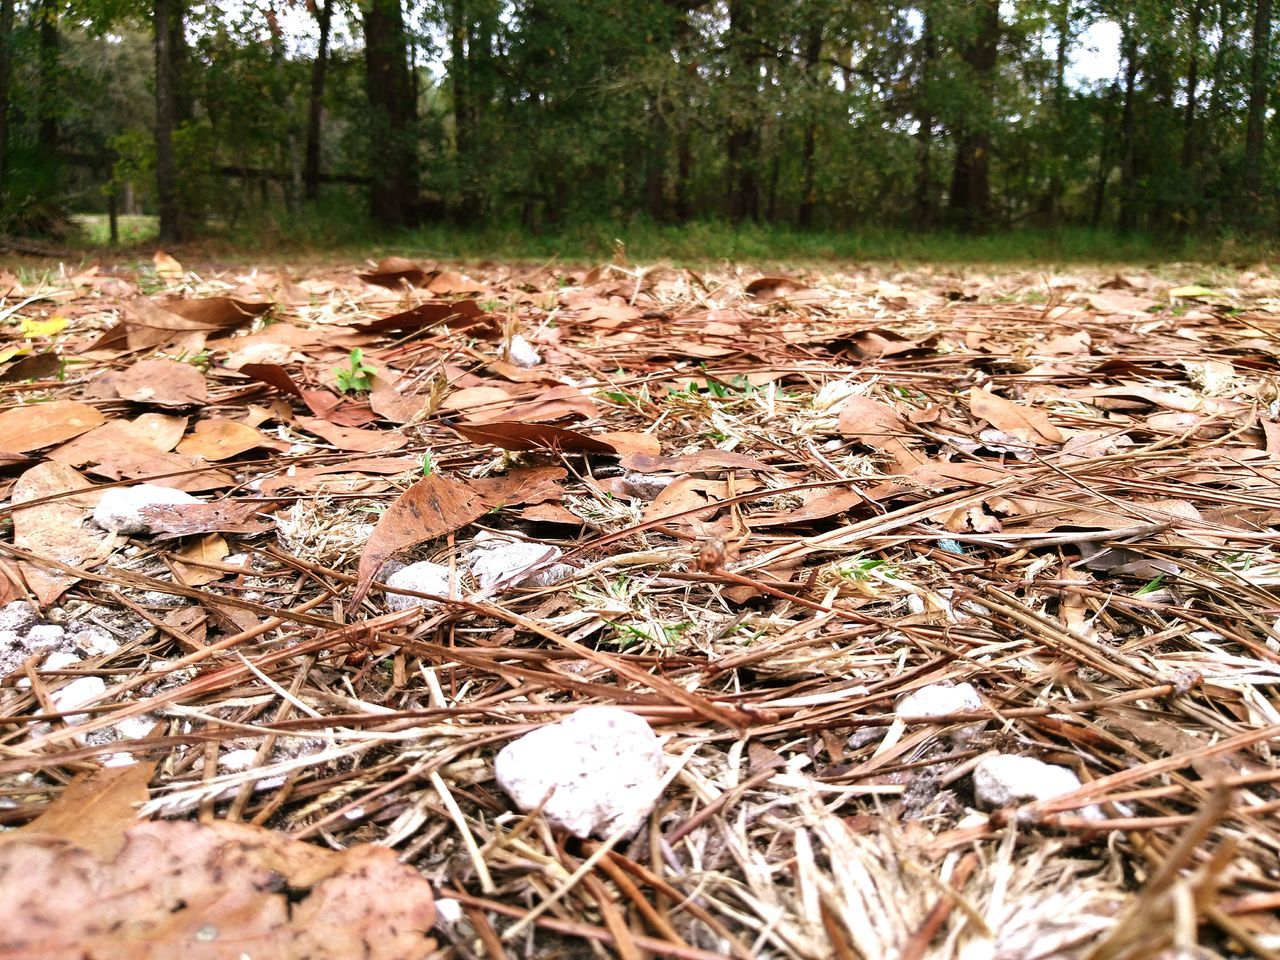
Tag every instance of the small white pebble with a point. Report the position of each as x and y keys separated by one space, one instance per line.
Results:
x=94 y=641
x=423 y=577
x=45 y=633
x=602 y=767
x=522 y=353
x=237 y=761
x=77 y=693
x=448 y=911
x=496 y=561
x=938 y=700
x=1004 y=779
x=59 y=660
x=122 y=509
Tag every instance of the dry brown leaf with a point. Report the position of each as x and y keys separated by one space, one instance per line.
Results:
x=816 y=504
x=1026 y=423
x=555 y=404
x=223 y=439
x=880 y=427
x=353 y=439
x=210 y=891
x=93 y=811
x=628 y=442
x=57 y=529
x=473 y=400
x=433 y=507
x=531 y=436
x=455 y=314
x=187 y=519
x=527 y=485
x=34 y=426
x=696 y=461
x=167 y=268
x=164 y=383
x=191 y=474
x=182 y=325
x=210 y=548
x=389 y=403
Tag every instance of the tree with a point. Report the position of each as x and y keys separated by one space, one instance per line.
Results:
x=1255 y=131
x=6 y=76
x=392 y=115
x=315 y=101
x=164 y=15
x=970 y=198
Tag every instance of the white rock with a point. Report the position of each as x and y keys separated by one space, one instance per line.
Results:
x=448 y=912
x=59 y=660
x=938 y=700
x=498 y=561
x=1003 y=780
x=522 y=353
x=134 y=728
x=94 y=641
x=45 y=634
x=644 y=486
x=424 y=577
x=121 y=508
x=17 y=615
x=602 y=766
x=77 y=693
x=237 y=761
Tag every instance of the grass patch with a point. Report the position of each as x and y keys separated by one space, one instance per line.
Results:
x=336 y=231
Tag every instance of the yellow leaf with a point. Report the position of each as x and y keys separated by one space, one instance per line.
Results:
x=8 y=353
x=1193 y=291
x=167 y=268
x=43 y=328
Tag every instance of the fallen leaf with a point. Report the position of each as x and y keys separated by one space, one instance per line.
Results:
x=225 y=516
x=527 y=485
x=1025 y=423
x=390 y=404
x=210 y=548
x=879 y=426
x=34 y=426
x=57 y=529
x=151 y=431
x=352 y=438
x=395 y=273
x=40 y=366
x=167 y=268
x=183 y=325
x=531 y=436
x=433 y=507
x=322 y=403
x=696 y=461
x=455 y=314
x=816 y=504
x=165 y=383
x=222 y=439
x=210 y=891
x=93 y=810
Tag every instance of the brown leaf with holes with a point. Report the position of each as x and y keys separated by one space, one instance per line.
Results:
x=34 y=426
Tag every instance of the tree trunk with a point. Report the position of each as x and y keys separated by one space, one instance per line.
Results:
x=48 y=79
x=1256 y=130
x=812 y=54
x=6 y=74
x=315 y=103
x=655 y=168
x=926 y=204
x=743 y=190
x=1128 y=219
x=166 y=179
x=970 y=198
x=459 y=81
x=392 y=116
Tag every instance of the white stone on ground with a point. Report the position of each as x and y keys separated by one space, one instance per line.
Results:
x=77 y=693
x=938 y=700
x=59 y=660
x=496 y=561
x=602 y=766
x=121 y=508
x=424 y=577
x=522 y=353
x=1004 y=779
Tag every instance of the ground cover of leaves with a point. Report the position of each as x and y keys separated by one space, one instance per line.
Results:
x=782 y=504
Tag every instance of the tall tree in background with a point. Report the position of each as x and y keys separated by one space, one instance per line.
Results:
x=970 y=199
x=1259 y=80
x=164 y=14
x=47 y=14
x=744 y=132
x=315 y=99
x=6 y=76
x=392 y=115
x=926 y=212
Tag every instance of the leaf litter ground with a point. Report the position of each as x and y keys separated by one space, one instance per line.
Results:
x=778 y=505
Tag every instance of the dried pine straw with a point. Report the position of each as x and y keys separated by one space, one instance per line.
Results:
x=1110 y=593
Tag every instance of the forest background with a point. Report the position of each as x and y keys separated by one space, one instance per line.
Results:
x=331 y=121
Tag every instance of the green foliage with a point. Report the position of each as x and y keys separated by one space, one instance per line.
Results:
x=354 y=378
